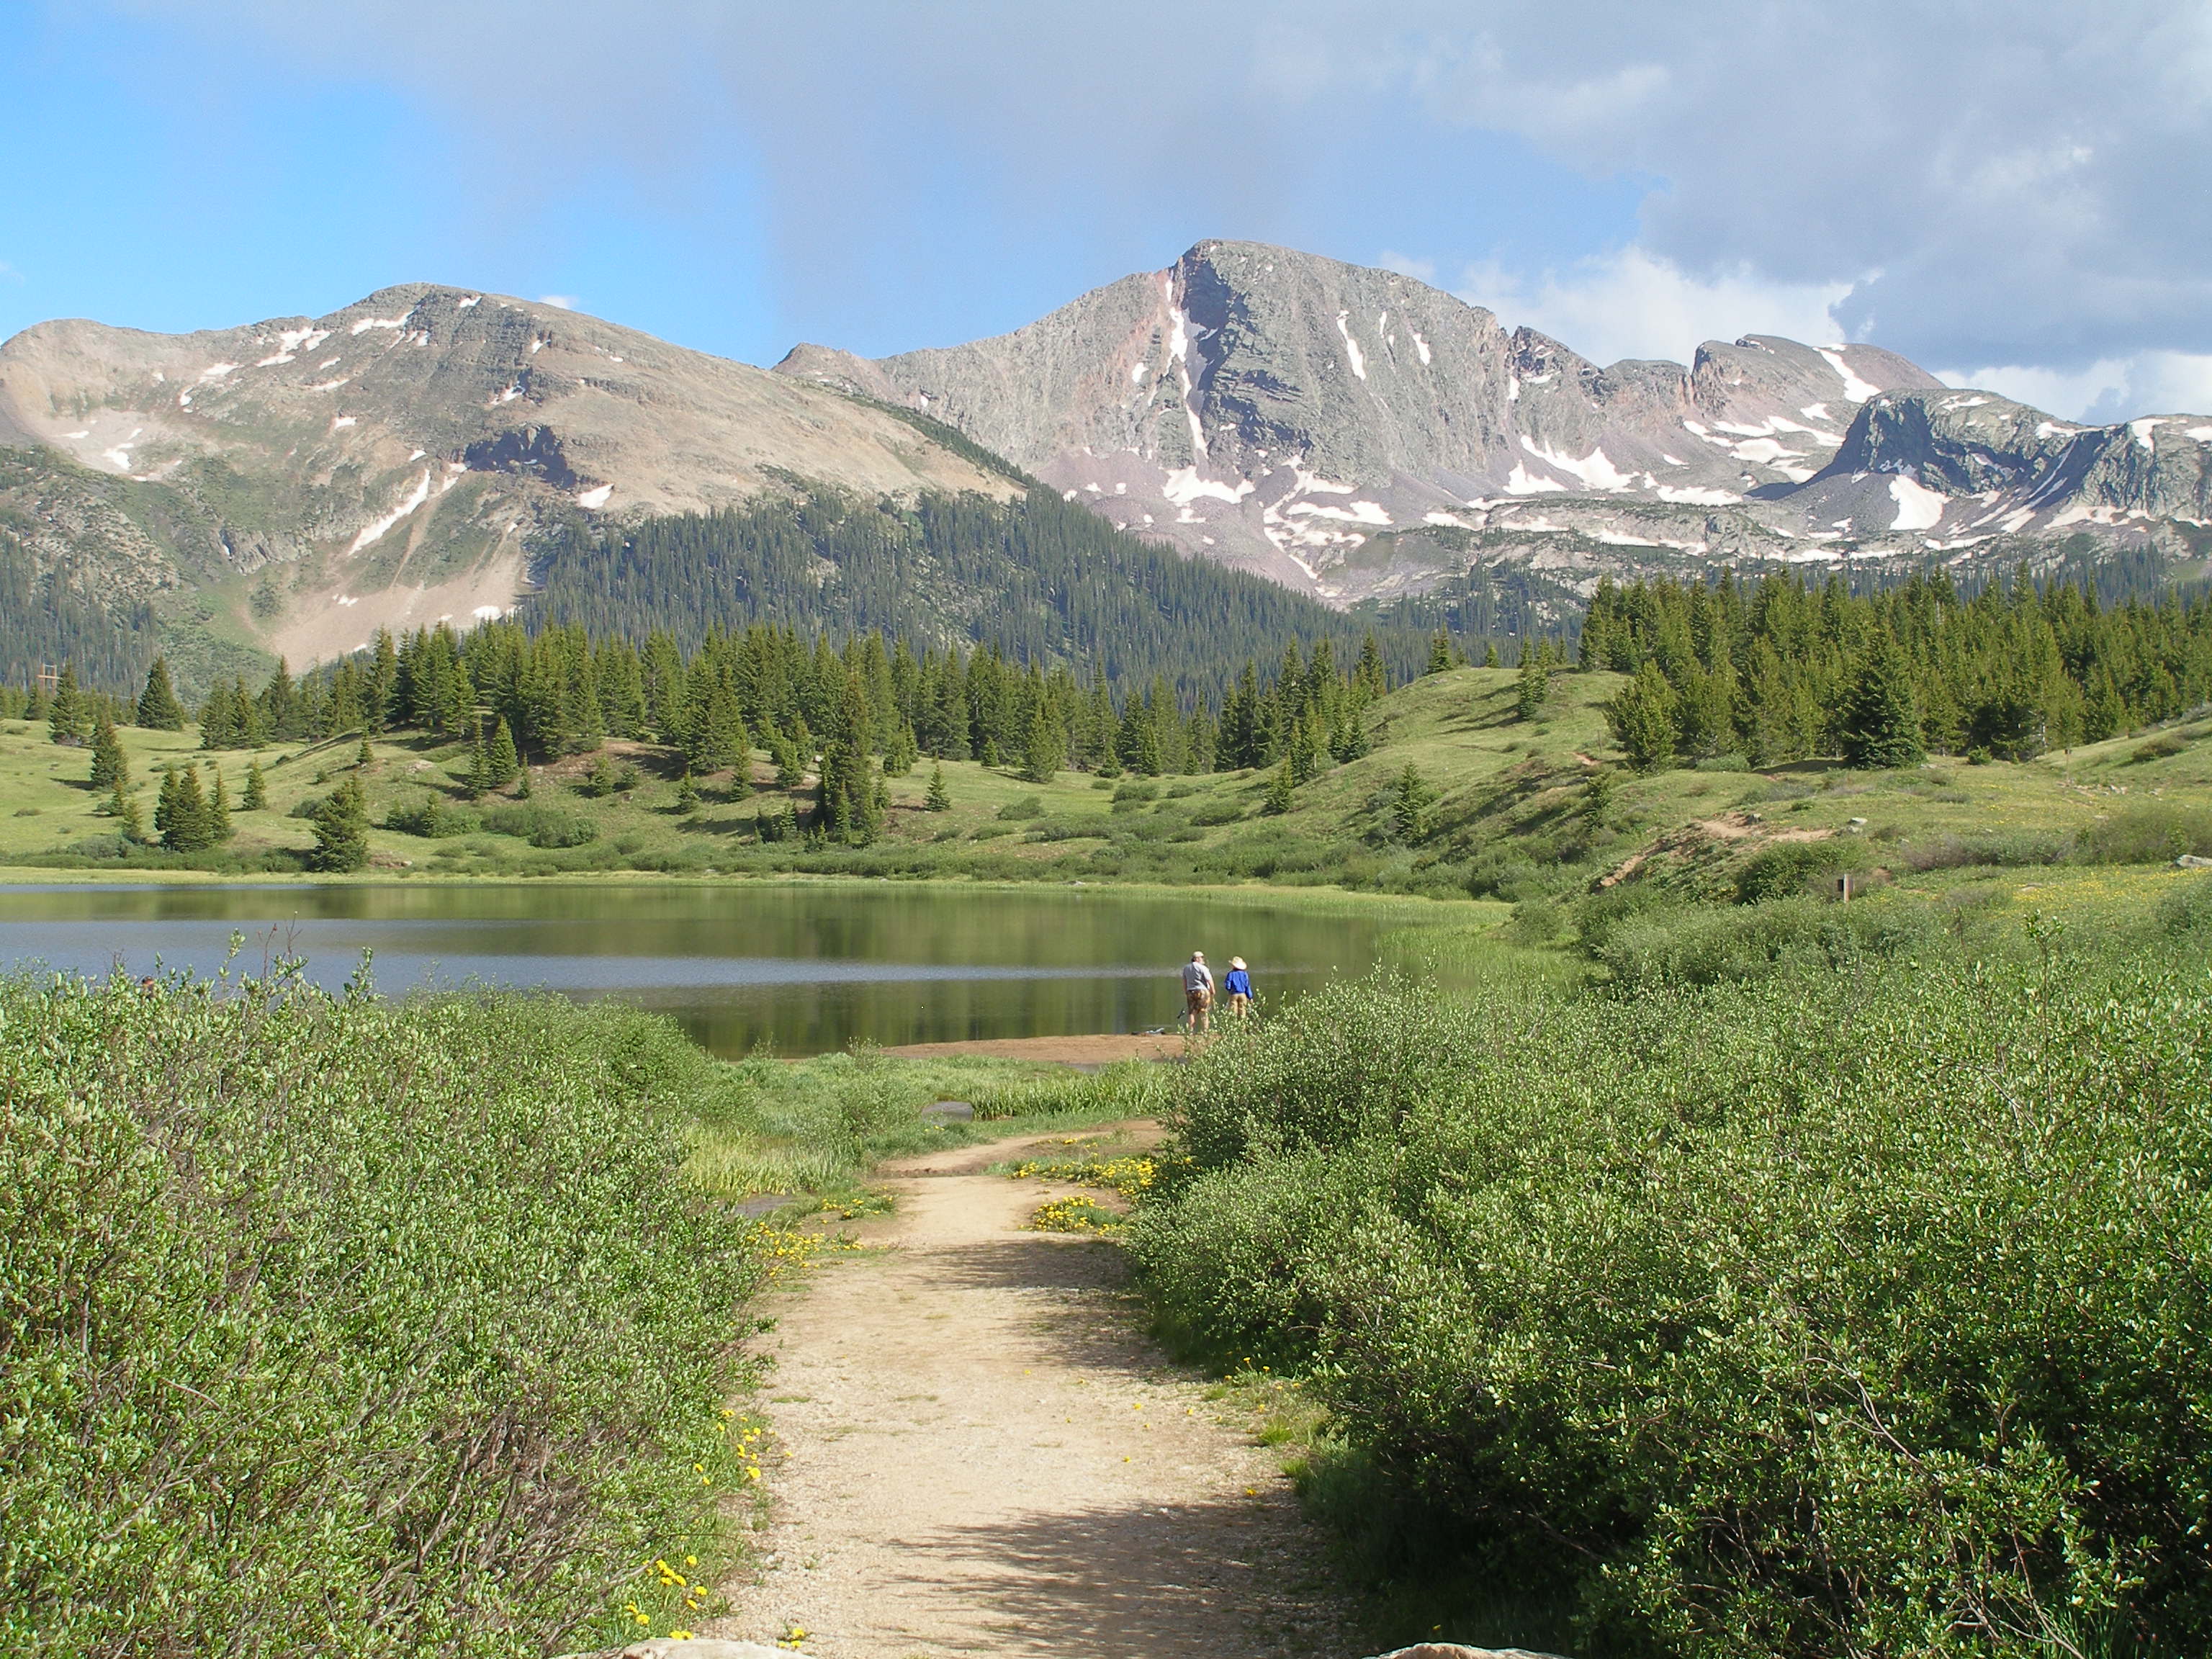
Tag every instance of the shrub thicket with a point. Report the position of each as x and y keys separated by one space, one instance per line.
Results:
x=1858 y=1314
x=321 y=1334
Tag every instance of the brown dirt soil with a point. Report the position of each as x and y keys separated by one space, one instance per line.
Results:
x=1098 y=1050
x=981 y=1453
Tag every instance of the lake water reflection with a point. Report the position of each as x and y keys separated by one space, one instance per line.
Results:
x=806 y=968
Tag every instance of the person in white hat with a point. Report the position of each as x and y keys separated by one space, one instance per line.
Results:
x=1238 y=986
x=1197 y=993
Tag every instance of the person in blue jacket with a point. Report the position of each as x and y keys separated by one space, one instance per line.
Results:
x=1237 y=987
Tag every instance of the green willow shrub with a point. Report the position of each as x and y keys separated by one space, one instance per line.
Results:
x=342 y=1326
x=1860 y=1313
x=2152 y=833
x=1706 y=945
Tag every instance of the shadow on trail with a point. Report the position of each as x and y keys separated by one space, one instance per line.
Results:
x=1152 y=1583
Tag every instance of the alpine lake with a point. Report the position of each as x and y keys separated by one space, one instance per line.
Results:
x=795 y=970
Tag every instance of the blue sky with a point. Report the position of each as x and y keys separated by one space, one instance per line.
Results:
x=2019 y=195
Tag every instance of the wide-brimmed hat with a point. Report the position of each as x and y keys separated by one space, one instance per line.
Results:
x=1235 y=962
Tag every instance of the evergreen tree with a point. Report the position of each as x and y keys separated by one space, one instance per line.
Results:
x=364 y=755
x=109 y=765
x=687 y=795
x=1490 y=658
x=1279 y=800
x=1411 y=796
x=1533 y=685
x=790 y=765
x=1642 y=716
x=1303 y=756
x=1045 y=747
x=342 y=830
x=940 y=798
x=255 y=799
x=904 y=751
x=181 y=818
x=501 y=761
x=1440 y=654
x=847 y=807
x=478 y=780
x=70 y=716
x=158 y=708
x=1878 y=723
x=122 y=807
x=218 y=810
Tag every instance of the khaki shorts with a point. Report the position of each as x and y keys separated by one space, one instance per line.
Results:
x=1197 y=1002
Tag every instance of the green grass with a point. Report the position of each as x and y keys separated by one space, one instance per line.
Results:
x=1512 y=821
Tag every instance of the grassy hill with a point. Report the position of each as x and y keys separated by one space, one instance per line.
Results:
x=1535 y=812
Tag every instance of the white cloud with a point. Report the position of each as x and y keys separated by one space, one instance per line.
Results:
x=560 y=301
x=2112 y=389
x=1634 y=303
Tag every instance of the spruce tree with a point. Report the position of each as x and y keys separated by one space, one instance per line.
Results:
x=1279 y=800
x=1533 y=685
x=902 y=753
x=70 y=716
x=478 y=780
x=1440 y=654
x=218 y=811
x=109 y=765
x=1878 y=726
x=940 y=798
x=1490 y=657
x=1304 y=757
x=1411 y=797
x=364 y=755
x=687 y=795
x=504 y=762
x=122 y=807
x=158 y=708
x=1045 y=748
x=181 y=818
x=342 y=830
x=255 y=799
x=1642 y=716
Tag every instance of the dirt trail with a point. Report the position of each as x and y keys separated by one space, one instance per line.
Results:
x=983 y=1454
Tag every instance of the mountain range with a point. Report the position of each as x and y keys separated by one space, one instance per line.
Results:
x=1350 y=433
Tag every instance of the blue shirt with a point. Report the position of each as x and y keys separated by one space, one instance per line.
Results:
x=1238 y=984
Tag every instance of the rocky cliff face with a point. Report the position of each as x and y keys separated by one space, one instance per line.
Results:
x=1322 y=423
x=389 y=463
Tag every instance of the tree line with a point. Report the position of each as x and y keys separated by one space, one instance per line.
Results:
x=1783 y=667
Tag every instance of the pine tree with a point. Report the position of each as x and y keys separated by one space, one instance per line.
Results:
x=364 y=755
x=1533 y=685
x=1277 y=800
x=1304 y=757
x=1879 y=723
x=1440 y=654
x=181 y=818
x=902 y=753
x=940 y=798
x=70 y=716
x=122 y=807
x=1045 y=748
x=1642 y=716
x=109 y=765
x=158 y=708
x=342 y=830
x=218 y=811
x=503 y=761
x=790 y=765
x=479 y=781
x=255 y=799
x=687 y=795
x=1411 y=797
x=1490 y=657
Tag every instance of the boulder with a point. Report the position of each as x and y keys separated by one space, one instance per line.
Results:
x=948 y=1111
